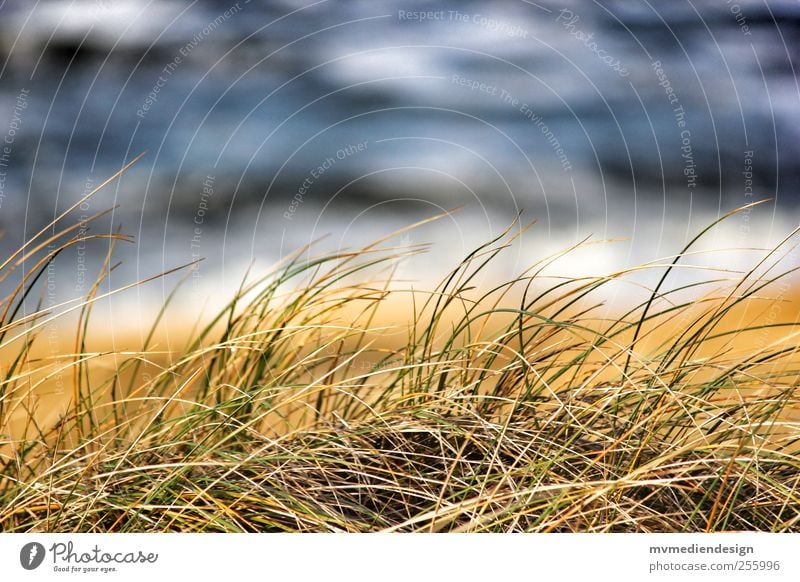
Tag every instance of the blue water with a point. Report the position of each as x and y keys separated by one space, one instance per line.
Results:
x=615 y=118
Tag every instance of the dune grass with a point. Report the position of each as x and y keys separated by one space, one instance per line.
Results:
x=518 y=408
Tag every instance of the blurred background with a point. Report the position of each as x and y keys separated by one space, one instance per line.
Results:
x=269 y=124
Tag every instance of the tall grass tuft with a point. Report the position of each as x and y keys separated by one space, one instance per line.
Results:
x=524 y=407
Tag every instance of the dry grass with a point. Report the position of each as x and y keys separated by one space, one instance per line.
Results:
x=515 y=409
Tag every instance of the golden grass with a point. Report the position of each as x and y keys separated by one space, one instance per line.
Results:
x=520 y=408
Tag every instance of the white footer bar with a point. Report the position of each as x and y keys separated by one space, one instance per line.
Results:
x=399 y=557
